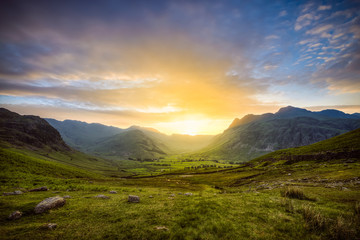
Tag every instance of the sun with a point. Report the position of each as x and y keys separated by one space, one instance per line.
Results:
x=193 y=126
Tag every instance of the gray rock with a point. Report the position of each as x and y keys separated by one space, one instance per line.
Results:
x=150 y=196
x=188 y=194
x=44 y=188
x=113 y=192
x=161 y=228
x=17 y=192
x=15 y=215
x=67 y=196
x=172 y=195
x=49 y=203
x=50 y=226
x=133 y=199
x=102 y=196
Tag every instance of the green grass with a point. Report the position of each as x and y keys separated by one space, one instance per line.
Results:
x=305 y=200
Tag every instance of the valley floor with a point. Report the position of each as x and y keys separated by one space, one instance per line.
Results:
x=303 y=201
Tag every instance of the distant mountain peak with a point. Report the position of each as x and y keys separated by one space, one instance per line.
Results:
x=143 y=128
x=290 y=108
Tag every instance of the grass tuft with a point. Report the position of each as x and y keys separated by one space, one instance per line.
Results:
x=314 y=220
x=342 y=230
x=297 y=193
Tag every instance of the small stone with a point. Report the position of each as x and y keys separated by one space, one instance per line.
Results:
x=161 y=228
x=17 y=192
x=50 y=226
x=15 y=215
x=113 y=192
x=102 y=196
x=180 y=193
x=289 y=174
x=150 y=196
x=67 y=196
x=172 y=195
x=188 y=194
x=49 y=203
x=39 y=189
x=133 y=199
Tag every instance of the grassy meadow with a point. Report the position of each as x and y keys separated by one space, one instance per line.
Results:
x=306 y=200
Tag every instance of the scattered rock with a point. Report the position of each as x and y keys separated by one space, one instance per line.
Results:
x=172 y=195
x=289 y=174
x=15 y=215
x=49 y=203
x=17 y=192
x=67 y=196
x=56 y=192
x=113 y=192
x=91 y=182
x=150 y=196
x=188 y=194
x=39 y=189
x=102 y=196
x=180 y=193
x=345 y=189
x=133 y=199
x=161 y=228
x=50 y=226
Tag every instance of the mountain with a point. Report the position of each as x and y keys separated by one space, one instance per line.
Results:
x=29 y=131
x=129 y=144
x=255 y=135
x=34 y=137
x=344 y=147
x=108 y=141
x=81 y=135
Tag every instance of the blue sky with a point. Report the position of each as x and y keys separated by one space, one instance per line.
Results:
x=167 y=63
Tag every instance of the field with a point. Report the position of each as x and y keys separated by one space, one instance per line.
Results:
x=306 y=200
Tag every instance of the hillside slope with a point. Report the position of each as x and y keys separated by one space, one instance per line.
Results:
x=254 y=135
x=35 y=137
x=29 y=131
x=345 y=146
x=129 y=144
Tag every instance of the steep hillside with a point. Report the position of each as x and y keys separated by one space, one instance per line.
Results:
x=35 y=137
x=345 y=146
x=29 y=131
x=254 y=135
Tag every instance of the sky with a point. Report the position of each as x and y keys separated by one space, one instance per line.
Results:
x=181 y=66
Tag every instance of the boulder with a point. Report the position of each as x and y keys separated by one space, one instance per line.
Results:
x=133 y=199
x=49 y=203
x=15 y=215
x=113 y=192
x=102 y=196
x=188 y=194
x=39 y=189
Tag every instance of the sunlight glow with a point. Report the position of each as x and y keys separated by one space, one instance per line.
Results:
x=194 y=126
